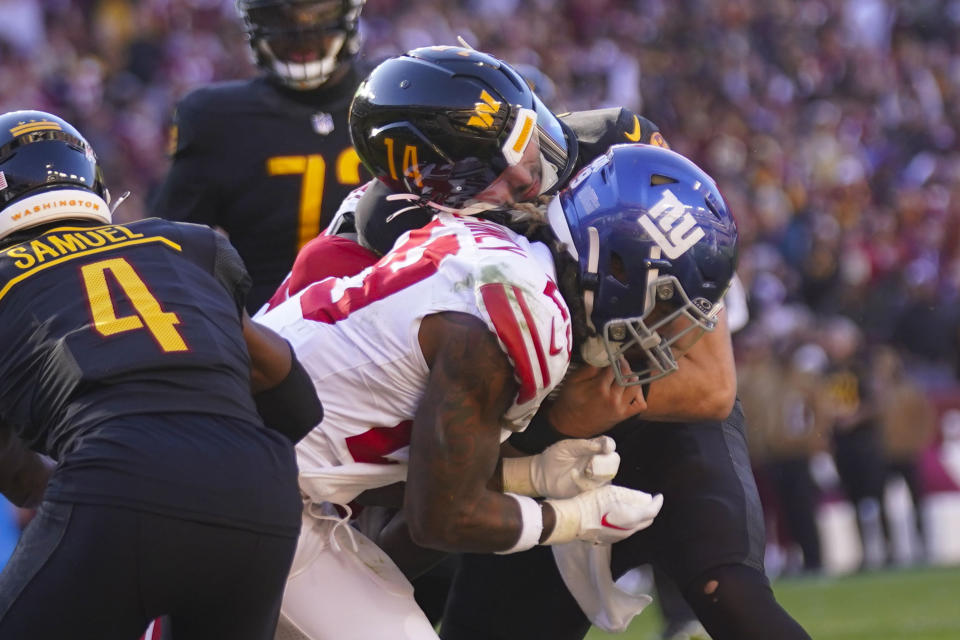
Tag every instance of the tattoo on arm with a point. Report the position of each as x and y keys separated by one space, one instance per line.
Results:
x=455 y=443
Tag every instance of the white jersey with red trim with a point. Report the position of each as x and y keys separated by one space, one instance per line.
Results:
x=358 y=336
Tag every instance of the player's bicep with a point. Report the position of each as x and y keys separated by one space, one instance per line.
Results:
x=285 y=396
x=456 y=431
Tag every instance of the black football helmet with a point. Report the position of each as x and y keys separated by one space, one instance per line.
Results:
x=47 y=172
x=302 y=43
x=444 y=122
x=655 y=248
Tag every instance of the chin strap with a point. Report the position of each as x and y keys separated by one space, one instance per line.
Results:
x=593 y=263
x=652 y=274
x=593 y=351
x=473 y=209
x=119 y=201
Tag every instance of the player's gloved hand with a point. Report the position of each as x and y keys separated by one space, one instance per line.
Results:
x=564 y=469
x=603 y=516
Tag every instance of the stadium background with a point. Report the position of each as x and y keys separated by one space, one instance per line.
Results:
x=831 y=126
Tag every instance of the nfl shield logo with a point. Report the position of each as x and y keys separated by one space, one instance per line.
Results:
x=322 y=123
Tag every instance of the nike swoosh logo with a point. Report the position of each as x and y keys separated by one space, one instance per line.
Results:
x=606 y=523
x=554 y=349
x=637 y=133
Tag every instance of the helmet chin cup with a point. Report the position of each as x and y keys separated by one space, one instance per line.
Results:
x=594 y=352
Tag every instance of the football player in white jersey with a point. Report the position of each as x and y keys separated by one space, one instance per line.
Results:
x=428 y=359
x=434 y=124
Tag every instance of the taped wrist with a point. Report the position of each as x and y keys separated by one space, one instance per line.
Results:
x=568 y=518
x=517 y=476
x=532 y=518
x=291 y=407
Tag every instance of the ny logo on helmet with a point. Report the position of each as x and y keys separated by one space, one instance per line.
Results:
x=484 y=111
x=671 y=225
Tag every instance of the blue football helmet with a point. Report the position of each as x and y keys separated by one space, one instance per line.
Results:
x=48 y=172
x=656 y=248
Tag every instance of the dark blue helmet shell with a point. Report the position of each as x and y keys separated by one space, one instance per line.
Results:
x=648 y=227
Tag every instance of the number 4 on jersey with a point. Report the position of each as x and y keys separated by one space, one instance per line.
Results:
x=160 y=323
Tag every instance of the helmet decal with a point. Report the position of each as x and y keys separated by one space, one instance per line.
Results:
x=520 y=136
x=485 y=110
x=33 y=125
x=671 y=225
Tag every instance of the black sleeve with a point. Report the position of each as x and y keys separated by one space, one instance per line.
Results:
x=292 y=407
x=598 y=129
x=188 y=193
x=632 y=127
x=538 y=435
x=373 y=230
x=229 y=270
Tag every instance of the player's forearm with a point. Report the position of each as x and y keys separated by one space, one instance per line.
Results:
x=704 y=387
x=412 y=559
x=455 y=442
x=23 y=473
x=449 y=503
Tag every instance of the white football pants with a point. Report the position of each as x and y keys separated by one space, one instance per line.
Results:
x=344 y=587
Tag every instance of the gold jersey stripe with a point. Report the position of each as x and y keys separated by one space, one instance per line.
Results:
x=109 y=247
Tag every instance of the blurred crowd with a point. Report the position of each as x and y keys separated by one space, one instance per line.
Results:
x=831 y=126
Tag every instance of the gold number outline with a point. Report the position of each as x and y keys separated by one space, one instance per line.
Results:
x=313 y=168
x=148 y=313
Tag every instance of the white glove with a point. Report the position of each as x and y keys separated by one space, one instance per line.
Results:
x=603 y=516
x=564 y=469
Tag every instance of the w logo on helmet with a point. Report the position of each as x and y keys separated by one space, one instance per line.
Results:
x=671 y=225
x=484 y=111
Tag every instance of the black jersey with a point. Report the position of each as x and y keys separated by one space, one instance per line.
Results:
x=124 y=360
x=593 y=132
x=269 y=165
x=102 y=321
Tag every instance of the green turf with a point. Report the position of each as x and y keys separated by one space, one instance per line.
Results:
x=916 y=604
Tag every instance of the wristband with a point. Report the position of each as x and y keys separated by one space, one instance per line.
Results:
x=568 y=518
x=532 y=519
x=515 y=473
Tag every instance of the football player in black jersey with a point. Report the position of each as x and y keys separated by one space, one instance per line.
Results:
x=441 y=126
x=269 y=159
x=129 y=364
